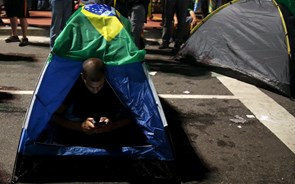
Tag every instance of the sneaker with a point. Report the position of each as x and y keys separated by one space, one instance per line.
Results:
x=164 y=46
x=24 y=42
x=12 y=39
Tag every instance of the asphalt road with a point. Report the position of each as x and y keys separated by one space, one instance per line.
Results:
x=214 y=139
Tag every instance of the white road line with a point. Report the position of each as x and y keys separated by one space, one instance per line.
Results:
x=15 y=92
x=197 y=96
x=175 y=96
x=267 y=111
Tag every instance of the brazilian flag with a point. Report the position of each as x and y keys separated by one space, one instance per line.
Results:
x=98 y=30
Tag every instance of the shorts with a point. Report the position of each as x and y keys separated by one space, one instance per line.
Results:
x=16 y=8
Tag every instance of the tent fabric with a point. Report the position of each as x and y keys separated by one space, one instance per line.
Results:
x=49 y=94
x=248 y=37
x=125 y=71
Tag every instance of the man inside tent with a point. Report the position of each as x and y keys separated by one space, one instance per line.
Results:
x=92 y=115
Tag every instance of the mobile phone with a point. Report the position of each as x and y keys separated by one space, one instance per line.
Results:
x=94 y=122
x=97 y=123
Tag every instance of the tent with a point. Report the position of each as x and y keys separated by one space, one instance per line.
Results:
x=94 y=30
x=249 y=40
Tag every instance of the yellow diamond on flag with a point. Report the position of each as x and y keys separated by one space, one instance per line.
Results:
x=108 y=26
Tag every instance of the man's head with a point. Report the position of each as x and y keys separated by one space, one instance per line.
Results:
x=93 y=74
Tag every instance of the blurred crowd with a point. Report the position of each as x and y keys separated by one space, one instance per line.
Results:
x=178 y=16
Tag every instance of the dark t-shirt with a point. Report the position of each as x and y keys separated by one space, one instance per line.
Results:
x=84 y=104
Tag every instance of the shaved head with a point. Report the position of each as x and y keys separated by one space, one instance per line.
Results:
x=93 y=69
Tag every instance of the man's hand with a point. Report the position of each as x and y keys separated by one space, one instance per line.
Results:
x=103 y=125
x=104 y=120
x=88 y=127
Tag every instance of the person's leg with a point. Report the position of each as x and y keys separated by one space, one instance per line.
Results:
x=39 y=4
x=1 y=4
x=204 y=7
x=11 y=14
x=13 y=36
x=56 y=20
x=13 y=24
x=67 y=12
x=163 y=11
x=137 y=19
x=182 y=11
x=22 y=14
x=24 y=27
x=167 y=26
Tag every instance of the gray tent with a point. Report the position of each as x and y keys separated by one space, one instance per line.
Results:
x=248 y=37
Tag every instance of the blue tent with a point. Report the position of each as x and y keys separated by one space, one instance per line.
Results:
x=129 y=79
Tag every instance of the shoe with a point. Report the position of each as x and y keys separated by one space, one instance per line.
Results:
x=24 y=42
x=142 y=43
x=12 y=39
x=1 y=22
x=177 y=46
x=164 y=46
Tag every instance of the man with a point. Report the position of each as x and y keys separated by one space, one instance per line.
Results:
x=137 y=16
x=92 y=115
x=17 y=9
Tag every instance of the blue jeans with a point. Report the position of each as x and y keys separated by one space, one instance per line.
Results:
x=61 y=12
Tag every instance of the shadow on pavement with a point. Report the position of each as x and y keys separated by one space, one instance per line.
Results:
x=176 y=67
x=5 y=96
x=161 y=52
x=38 y=44
x=17 y=57
x=189 y=166
x=171 y=64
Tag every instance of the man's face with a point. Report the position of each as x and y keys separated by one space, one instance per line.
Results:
x=94 y=86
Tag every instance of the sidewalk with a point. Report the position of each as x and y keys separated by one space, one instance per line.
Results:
x=39 y=24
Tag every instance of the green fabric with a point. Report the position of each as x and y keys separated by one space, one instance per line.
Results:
x=290 y=4
x=79 y=40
